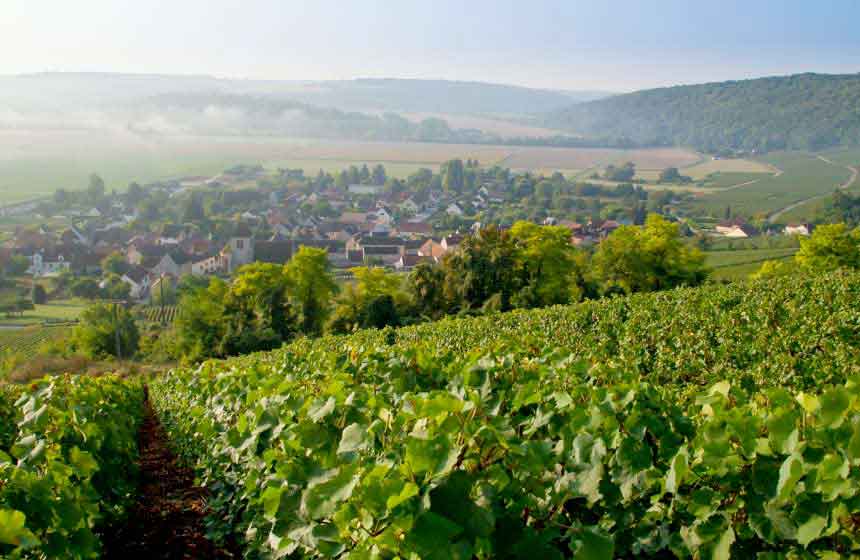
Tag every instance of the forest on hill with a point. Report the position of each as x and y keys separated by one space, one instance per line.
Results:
x=799 y=112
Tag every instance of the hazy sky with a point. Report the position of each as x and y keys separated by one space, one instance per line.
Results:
x=574 y=44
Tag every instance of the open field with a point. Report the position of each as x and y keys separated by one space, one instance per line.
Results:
x=804 y=176
x=34 y=163
x=732 y=179
x=705 y=168
x=528 y=157
x=54 y=311
x=738 y=265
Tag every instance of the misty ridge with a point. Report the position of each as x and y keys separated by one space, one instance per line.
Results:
x=365 y=109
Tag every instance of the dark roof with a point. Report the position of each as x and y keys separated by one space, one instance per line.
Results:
x=243 y=230
x=278 y=252
x=382 y=250
x=152 y=251
x=415 y=260
x=379 y=241
x=415 y=227
x=179 y=257
x=414 y=243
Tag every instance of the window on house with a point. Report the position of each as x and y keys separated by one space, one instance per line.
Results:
x=240 y=244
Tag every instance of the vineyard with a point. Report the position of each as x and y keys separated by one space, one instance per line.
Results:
x=27 y=341
x=159 y=314
x=709 y=423
x=715 y=422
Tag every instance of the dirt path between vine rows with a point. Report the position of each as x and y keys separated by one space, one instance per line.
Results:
x=167 y=521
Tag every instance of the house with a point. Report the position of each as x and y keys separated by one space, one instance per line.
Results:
x=138 y=280
x=408 y=262
x=386 y=254
x=451 y=242
x=174 y=263
x=798 y=229
x=274 y=251
x=431 y=248
x=208 y=266
x=48 y=262
x=413 y=229
x=171 y=234
x=239 y=251
x=353 y=218
x=409 y=207
x=383 y=217
x=454 y=210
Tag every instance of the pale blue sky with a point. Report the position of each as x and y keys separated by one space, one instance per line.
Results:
x=574 y=44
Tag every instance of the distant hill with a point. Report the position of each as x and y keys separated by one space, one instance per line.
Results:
x=59 y=90
x=804 y=111
x=441 y=96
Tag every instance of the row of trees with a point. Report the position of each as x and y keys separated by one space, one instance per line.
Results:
x=525 y=266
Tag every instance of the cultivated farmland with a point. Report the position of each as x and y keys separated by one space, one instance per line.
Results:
x=27 y=341
x=803 y=176
x=36 y=163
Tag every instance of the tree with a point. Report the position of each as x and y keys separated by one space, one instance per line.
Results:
x=200 y=322
x=426 y=284
x=257 y=312
x=624 y=173
x=453 y=175
x=380 y=312
x=669 y=175
x=61 y=196
x=379 y=175
x=114 y=263
x=654 y=257
x=96 y=188
x=113 y=287
x=87 y=288
x=311 y=287
x=374 y=300
x=17 y=265
x=135 y=193
x=193 y=211
x=107 y=330
x=38 y=295
x=552 y=268
x=830 y=247
x=485 y=264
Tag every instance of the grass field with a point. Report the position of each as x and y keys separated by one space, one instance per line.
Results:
x=705 y=168
x=55 y=311
x=729 y=179
x=737 y=265
x=804 y=176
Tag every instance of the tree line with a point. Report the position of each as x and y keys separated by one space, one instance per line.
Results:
x=525 y=266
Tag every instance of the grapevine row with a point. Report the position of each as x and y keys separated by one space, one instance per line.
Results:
x=68 y=448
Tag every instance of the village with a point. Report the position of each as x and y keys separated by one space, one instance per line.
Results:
x=211 y=226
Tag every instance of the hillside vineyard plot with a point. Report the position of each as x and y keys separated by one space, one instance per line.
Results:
x=699 y=423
